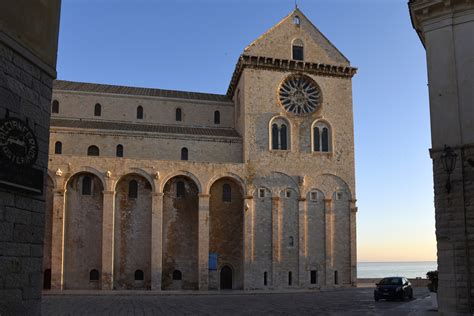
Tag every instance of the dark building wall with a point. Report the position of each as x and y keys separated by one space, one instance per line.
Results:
x=25 y=90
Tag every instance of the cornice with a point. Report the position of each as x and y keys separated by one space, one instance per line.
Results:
x=423 y=10
x=277 y=64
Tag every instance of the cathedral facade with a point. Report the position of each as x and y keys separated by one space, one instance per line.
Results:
x=168 y=190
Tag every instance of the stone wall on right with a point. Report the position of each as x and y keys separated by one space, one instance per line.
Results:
x=446 y=30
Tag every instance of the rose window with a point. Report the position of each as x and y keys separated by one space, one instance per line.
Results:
x=299 y=94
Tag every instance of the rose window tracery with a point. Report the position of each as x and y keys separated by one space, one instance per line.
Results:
x=299 y=94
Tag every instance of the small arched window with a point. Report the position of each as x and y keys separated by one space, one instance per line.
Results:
x=180 y=189
x=280 y=135
x=93 y=151
x=265 y=278
x=177 y=276
x=119 y=151
x=97 y=110
x=291 y=241
x=58 y=148
x=94 y=275
x=133 y=189
x=296 y=20
x=140 y=112
x=179 y=115
x=184 y=153
x=55 y=107
x=226 y=193
x=298 y=49
x=139 y=276
x=217 y=117
x=321 y=137
x=86 y=185
x=290 y=278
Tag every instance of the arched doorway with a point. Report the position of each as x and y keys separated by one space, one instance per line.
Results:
x=47 y=279
x=180 y=233
x=132 y=246
x=226 y=220
x=226 y=278
x=83 y=231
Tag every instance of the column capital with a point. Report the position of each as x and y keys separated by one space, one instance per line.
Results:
x=302 y=199
x=108 y=192
x=203 y=195
x=354 y=209
x=158 y=194
x=59 y=192
x=248 y=197
x=275 y=198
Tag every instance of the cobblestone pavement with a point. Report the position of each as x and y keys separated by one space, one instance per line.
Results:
x=357 y=301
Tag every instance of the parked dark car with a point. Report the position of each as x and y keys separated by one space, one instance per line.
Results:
x=393 y=288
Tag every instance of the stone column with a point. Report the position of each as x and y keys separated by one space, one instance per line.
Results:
x=302 y=223
x=353 y=241
x=203 y=247
x=329 y=225
x=108 y=211
x=57 y=243
x=276 y=238
x=156 y=240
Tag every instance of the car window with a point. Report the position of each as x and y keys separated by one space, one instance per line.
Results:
x=391 y=281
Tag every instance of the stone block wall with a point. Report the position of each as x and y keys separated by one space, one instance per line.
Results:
x=25 y=90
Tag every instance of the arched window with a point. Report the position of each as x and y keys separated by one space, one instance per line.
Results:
x=93 y=151
x=226 y=193
x=55 y=107
x=139 y=276
x=140 y=112
x=177 y=276
x=296 y=20
x=265 y=278
x=280 y=135
x=179 y=116
x=184 y=153
x=180 y=189
x=58 y=148
x=119 y=151
x=298 y=49
x=290 y=278
x=133 y=189
x=217 y=117
x=291 y=241
x=321 y=137
x=97 y=109
x=94 y=275
x=336 y=277
x=86 y=185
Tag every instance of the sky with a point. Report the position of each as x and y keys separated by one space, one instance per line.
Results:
x=193 y=45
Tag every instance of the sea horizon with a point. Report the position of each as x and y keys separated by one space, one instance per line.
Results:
x=409 y=269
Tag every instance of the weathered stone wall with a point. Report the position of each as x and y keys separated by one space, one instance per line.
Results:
x=342 y=239
x=48 y=233
x=180 y=234
x=156 y=110
x=132 y=234
x=146 y=146
x=25 y=90
x=315 y=258
x=226 y=231
x=83 y=233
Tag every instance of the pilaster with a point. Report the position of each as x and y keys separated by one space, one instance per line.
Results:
x=249 y=239
x=302 y=223
x=203 y=248
x=329 y=238
x=353 y=240
x=57 y=243
x=156 y=240
x=108 y=211
x=276 y=238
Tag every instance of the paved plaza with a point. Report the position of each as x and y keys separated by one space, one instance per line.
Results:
x=357 y=301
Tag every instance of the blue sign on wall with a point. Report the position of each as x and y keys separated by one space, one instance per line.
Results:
x=212 y=261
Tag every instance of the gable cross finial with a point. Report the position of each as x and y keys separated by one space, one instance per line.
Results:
x=296 y=4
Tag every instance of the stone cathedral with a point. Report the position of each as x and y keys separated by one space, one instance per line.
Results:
x=168 y=190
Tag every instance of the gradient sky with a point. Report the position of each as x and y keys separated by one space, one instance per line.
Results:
x=193 y=45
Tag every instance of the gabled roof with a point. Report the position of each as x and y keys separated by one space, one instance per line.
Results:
x=280 y=35
x=112 y=89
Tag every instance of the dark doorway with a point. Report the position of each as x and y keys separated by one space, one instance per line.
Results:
x=47 y=279
x=226 y=278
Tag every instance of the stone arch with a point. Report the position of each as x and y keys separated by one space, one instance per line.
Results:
x=231 y=175
x=183 y=173
x=180 y=230
x=139 y=172
x=82 y=231
x=87 y=169
x=132 y=235
x=320 y=123
x=226 y=228
x=331 y=182
x=275 y=136
x=290 y=182
x=50 y=186
x=52 y=176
